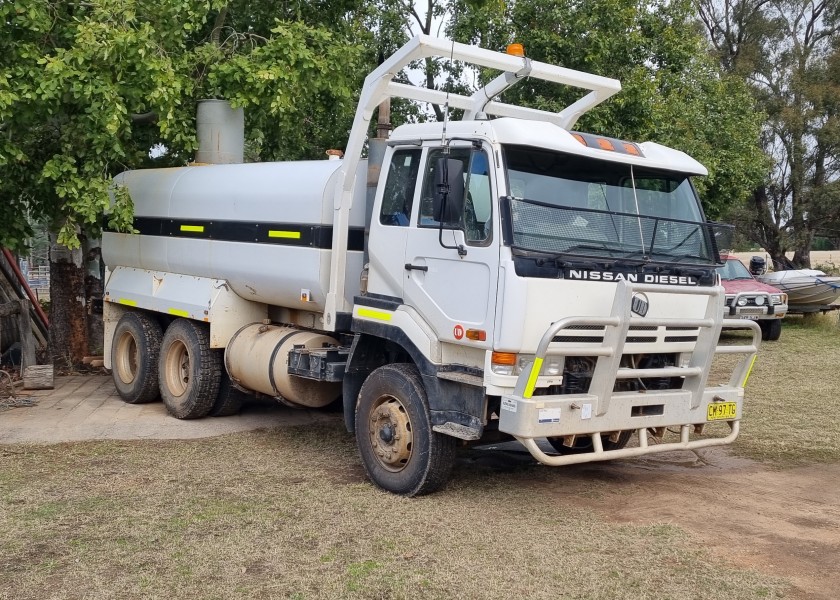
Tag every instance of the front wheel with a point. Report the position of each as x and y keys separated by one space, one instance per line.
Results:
x=771 y=331
x=189 y=370
x=399 y=450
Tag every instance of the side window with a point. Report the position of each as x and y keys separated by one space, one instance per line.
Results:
x=476 y=220
x=478 y=206
x=399 y=188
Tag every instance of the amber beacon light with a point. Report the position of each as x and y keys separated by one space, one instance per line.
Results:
x=516 y=50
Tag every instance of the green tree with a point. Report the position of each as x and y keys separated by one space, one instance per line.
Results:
x=788 y=52
x=671 y=92
x=87 y=88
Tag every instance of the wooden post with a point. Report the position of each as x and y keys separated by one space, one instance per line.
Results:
x=27 y=340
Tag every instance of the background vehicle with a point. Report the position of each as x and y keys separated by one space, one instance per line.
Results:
x=748 y=298
x=502 y=277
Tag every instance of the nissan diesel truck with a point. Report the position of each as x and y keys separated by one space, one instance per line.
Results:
x=507 y=277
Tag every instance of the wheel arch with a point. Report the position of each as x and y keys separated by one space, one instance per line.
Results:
x=456 y=408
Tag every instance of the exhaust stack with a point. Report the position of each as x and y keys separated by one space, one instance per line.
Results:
x=221 y=133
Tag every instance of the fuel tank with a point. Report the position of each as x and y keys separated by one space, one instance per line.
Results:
x=257 y=358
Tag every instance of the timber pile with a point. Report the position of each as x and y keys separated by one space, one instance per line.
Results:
x=23 y=322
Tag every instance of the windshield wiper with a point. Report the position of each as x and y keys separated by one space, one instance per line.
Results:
x=602 y=246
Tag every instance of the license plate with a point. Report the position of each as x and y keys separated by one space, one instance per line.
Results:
x=720 y=411
x=750 y=317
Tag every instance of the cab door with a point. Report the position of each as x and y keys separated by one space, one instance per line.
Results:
x=450 y=277
x=390 y=223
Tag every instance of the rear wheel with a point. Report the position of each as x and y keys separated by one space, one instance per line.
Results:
x=771 y=330
x=583 y=444
x=399 y=450
x=134 y=357
x=189 y=370
x=229 y=399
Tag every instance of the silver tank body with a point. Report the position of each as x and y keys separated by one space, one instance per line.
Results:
x=293 y=193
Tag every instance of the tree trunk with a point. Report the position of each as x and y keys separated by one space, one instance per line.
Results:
x=764 y=229
x=68 y=314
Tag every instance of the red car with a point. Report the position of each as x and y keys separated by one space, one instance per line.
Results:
x=747 y=298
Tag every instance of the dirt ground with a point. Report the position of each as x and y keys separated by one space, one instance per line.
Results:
x=749 y=515
x=783 y=523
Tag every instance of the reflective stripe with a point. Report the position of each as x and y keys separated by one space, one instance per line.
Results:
x=289 y=235
x=374 y=314
x=193 y=228
x=178 y=312
x=532 y=378
x=749 y=371
x=127 y=302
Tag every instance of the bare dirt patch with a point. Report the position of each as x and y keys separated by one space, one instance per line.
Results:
x=782 y=523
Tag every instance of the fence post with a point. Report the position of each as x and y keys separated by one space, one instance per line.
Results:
x=27 y=340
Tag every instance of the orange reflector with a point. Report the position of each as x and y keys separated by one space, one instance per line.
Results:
x=503 y=358
x=631 y=149
x=478 y=335
x=579 y=138
x=605 y=144
x=516 y=50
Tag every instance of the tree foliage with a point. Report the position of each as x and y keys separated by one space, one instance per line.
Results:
x=88 y=87
x=671 y=92
x=788 y=51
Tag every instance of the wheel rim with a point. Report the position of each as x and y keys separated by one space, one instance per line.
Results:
x=177 y=368
x=391 y=435
x=127 y=357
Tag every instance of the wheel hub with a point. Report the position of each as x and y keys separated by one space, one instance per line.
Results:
x=390 y=433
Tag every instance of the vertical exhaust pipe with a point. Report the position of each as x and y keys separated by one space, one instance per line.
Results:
x=221 y=133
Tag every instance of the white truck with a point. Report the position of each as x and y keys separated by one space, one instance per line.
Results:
x=511 y=279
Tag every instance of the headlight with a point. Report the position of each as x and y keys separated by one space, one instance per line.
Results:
x=778 y=299
x=504 y=363
x=742 y=301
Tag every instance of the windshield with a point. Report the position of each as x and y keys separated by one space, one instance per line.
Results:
x=566 y=204
x=734 y=269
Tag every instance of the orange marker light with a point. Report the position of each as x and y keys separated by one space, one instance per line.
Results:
x=516 y=50
x=631 y=149
x=477 y=335
x=503 y=358
x=579 y=138
x=605 y=144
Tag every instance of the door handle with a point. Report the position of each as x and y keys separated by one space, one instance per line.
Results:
x=410 y=267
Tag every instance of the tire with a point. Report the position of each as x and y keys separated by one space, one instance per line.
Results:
x=399 y=450
x=229 y=399
x=134 y=357
x=188 y=370
x=584 y=444
x=771 y=331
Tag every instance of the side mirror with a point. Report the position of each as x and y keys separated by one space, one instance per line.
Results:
x=449 y=191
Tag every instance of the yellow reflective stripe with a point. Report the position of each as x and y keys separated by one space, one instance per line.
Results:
x=193 y=228
x=749 y=371
x=532 y=378
x=178 y=312
x=291 y=235
x=127 y=302
x=374 y=314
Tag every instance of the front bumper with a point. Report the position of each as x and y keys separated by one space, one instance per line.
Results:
x=752 y=310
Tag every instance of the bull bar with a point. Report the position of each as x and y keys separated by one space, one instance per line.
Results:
x=528 y=418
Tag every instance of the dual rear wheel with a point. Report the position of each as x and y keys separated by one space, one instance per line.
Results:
x=177 y=366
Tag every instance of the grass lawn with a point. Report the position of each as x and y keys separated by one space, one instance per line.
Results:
x=287 y=514
x=792 y=406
